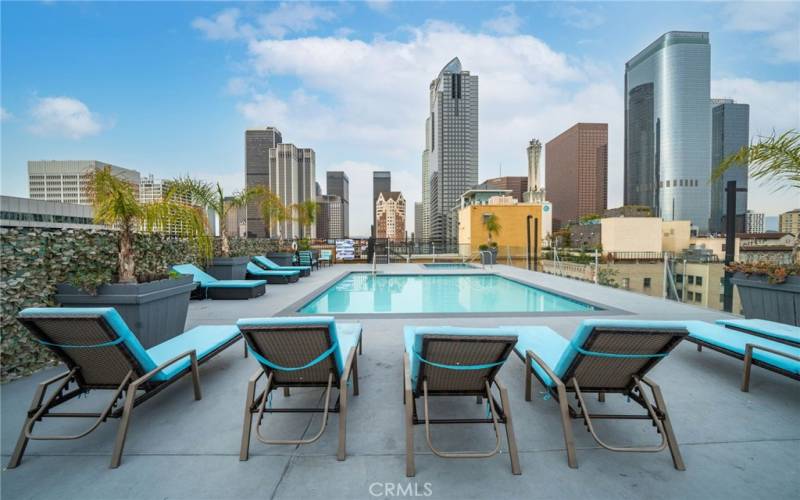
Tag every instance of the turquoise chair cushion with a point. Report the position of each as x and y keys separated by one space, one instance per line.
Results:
x=347 y=338
x=550 y=342
x=257 y=271
x=546 y=343
x=413 y=337
x=735 y=341
x=768 y=328
x=199 y=275
x=325 y=255
x=275 y=267
x=203 y=339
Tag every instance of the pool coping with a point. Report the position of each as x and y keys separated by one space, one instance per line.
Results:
x=603 y=310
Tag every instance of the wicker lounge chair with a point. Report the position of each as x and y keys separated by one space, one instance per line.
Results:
x=101 y=353
x=779 y=332
x=771 y=355
x=448 y=361
x=269 y=265
x=300 y=352
x=272 y=277
x=604 y=356
x=306 y=258
x=212 y=288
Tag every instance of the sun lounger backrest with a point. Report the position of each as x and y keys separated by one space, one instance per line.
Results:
x=264 y=261
x=606 y=354
x=96 y=340
x=467 y=358
x=291 y=343
x=200 y=276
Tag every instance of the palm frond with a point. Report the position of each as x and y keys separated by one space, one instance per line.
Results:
x=773 y=159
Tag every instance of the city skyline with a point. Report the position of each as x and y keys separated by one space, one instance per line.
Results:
x=540 y=74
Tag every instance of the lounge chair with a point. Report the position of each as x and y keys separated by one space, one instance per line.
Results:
x=300 y=352
x=101 y=353
x=448 y=361
x=754 y=349
x=604 y=356
x=269 y=265
x=212 y=288
x=306 y=258
x=272 y=277
x=325 y=257
x=779 y=332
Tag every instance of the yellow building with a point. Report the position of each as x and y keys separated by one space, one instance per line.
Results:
x=643 y=235
x=512 y=218
x=789 y=222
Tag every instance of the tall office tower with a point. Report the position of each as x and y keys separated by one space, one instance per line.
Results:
x=418 y=221
x=329 y=217
x=730 y=131
x=381 y=183
x=668 y=128
x=576 y=172
x=390 y=208
x=337 y=183
x=257 y=143
x=453 y=140
x=517 y=184
x=789 y=222
x=291 y=177
x=753 y=222
x=67 y=181
x=426 y=184
x=535 y=191
x=235 y=220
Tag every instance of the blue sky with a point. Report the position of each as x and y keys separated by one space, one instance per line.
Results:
x=168 y=88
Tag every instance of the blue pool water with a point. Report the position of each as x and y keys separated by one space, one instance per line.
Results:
x=364 y=293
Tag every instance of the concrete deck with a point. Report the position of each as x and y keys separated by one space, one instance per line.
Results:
x=735 y=444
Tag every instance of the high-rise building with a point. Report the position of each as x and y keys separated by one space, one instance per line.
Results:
x=576 y=171
x=426 y=196
x=730 y=131
x=381 y=183
x=518 y=185
x=330 y=217
x=67 y=181
x=535 y=191
x=668 y=128
x=235 y=220
x=789 y=222
x=257 y=143
x=418 y=221
x=753 y=222
x=291 y=175
x=390 y=208
x=452 y=145
x=338 y=184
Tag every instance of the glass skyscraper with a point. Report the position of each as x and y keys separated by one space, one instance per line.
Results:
x=730 y=131
x=452 y=145
x=668 y=128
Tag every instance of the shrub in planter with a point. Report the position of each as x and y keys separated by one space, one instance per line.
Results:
x=768 y=291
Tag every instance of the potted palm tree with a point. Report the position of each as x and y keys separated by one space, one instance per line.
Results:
x=273 y=210
x=153 y=305
x=768 y=290
x=489 y=250
x=209 y=196
x=306 y=215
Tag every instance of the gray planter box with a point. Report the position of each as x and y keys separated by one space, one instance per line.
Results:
x=762 y=300
x=489 y=258
x=228 y=268
x=281 y=258
x=154 y=311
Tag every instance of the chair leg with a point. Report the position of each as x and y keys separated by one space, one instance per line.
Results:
x=601 y=396
x=510 y=437
x=355 y=375
x=342 y=451
x=569 y=441
x=122 y=432
x=198 y=395
x=672 y=441
x=528 y=377
x=361 y=345
x=409 y=416
x=748 y=364
x=286 y=393
x=247 y=426
x=22 y=443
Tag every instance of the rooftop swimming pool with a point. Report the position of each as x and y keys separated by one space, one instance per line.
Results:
x=482 y=294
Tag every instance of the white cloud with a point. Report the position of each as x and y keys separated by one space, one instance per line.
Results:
x=286 y=18
x=64 y=117
x=506 y=23
x=5 y=115
x=779 y=21
x=379 y=5
x=237 y=86
x=579 y=17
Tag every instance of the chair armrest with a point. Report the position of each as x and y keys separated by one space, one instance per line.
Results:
x=751 y=347
x=348 y=367
x=147 y=376
x=407 y=364
x=549 y=371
